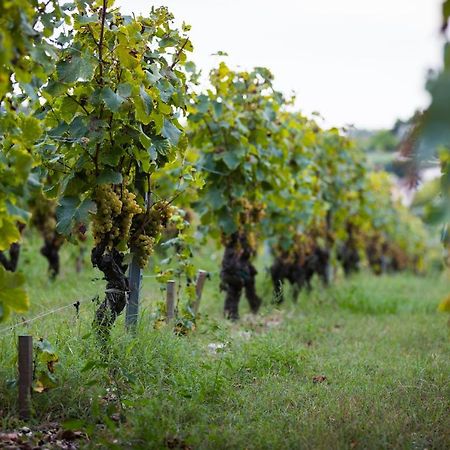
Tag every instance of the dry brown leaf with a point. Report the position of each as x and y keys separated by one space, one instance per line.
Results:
x=319 y=379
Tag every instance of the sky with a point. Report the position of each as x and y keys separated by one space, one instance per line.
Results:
x=356 y=62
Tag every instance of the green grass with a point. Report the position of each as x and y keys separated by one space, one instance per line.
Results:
x=379 y=342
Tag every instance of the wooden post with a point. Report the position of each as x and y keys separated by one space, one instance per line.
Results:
x=170 y=301
x=201 y=277
x=132 y=309
x=25 y=375
x=329 y=273
x=384 y=264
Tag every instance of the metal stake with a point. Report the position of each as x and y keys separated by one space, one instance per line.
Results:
x=135 y=279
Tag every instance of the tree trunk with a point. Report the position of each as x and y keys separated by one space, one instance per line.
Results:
x=10 y=263
x=79 y=263
x=117 y=288
x=238 y=273
x=278 y=274
x=50 y=250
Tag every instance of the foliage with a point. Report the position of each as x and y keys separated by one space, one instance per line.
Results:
x=323 y=189
x=233 y=126
x=429 y=139
x=112 y=109
x=13 y=296
x=113 y=105
x=341 y=169
x=45 y=360
x=298 y=204
x=26 y=58
x=391 y=222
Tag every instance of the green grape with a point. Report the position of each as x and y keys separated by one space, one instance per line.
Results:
x=44 y=216
x=129 y=209
x=146 y=228
x=109 y=207
x=116 y=208
x=143 y=248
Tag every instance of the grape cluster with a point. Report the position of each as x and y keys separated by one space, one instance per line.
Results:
x=304 y=246
x=130 y=208
x=48 y=227
x=250 y=213
x=161 y=213
x=143 y=248
x=116 y=208
x=43 y=216
x=257 y=212
x=146 y=229
x=251 y=241
x=157 y=219
x=109 y=207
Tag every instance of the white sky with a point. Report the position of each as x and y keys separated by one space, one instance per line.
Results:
x=361 y=62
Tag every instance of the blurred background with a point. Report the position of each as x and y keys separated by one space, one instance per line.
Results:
x=358 y=62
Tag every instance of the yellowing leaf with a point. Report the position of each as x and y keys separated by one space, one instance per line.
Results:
x=31 y=130
x=126 y=57
x=13 y=296
x=444 y=306
x=8 y=233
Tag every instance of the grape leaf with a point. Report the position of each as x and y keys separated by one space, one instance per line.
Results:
x=71 y=210
x=13 y=296
x=112 y=100
x=77 y=67
x=171 y=132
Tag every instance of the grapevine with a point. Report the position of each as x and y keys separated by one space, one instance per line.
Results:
x=115 y=124
x=233 y=124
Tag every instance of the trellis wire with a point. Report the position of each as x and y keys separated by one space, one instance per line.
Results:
x=6 y=330
x=76 y=304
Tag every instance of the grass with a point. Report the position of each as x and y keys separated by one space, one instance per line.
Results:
x=377 y=342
